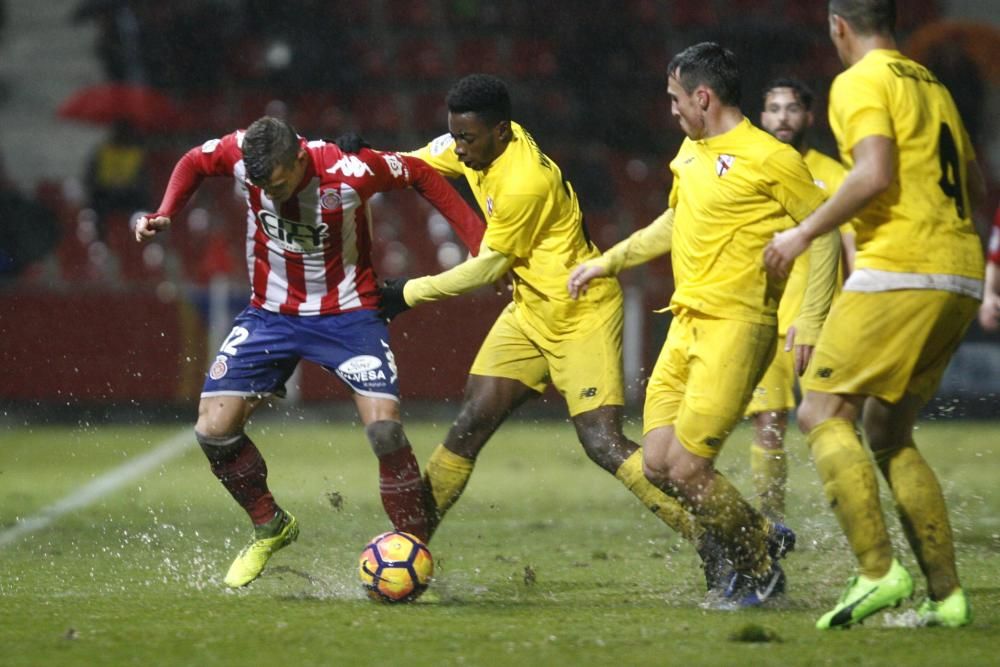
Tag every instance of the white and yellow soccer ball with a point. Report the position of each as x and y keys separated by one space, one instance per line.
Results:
x=395 y=567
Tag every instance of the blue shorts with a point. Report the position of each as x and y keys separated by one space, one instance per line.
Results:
x=263 y=349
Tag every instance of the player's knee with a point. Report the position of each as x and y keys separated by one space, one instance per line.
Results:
x=385 y=436
x=608 y=450
x=220 y=447
x=656 y=465
x=470 y=431
x=808 y=416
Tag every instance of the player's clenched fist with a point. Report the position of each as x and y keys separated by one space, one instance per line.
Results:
x=148 y=227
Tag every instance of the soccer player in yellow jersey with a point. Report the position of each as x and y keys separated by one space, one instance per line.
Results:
x=787 y=115
x=911 y=186
x=535 y=232
x=734 y=187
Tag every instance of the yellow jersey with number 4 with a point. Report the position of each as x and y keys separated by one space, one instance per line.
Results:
x=731 y=194
x=533 y=216
x=922 y=223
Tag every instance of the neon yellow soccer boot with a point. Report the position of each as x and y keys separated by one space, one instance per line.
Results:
x=863 y=597
x=251 y=560
x=951 y=612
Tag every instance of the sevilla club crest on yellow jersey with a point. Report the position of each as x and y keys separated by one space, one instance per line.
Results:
x=723 y=164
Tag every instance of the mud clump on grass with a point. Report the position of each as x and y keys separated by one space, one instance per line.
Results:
x=753 y=633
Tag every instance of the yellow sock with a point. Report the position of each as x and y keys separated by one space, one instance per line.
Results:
x=923 y=514
x=725 y=513
x=770 y=474
x=446 y=476
x=668 y=510
x=852 y=490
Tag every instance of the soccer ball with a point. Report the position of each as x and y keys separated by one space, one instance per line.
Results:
x=395 y=567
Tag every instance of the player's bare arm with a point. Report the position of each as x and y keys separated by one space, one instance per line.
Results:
x=874 y=166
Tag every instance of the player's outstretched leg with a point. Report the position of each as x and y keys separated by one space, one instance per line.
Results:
x=400 y=485
x=850 y=487
x=238 y=464
x=769 y=468
x=753 y=545
x=445 y=478
x=918 y=498
x=269 y=538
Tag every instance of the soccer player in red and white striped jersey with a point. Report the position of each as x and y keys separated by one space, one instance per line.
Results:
x=314 y=296
x=989 y=310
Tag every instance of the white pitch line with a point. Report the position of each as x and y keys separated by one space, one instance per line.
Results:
x=102 y=486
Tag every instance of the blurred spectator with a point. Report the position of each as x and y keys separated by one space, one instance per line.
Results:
x=118 y=37
x=117 y=178
x=28 y=230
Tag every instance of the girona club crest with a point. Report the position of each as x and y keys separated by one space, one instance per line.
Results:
x=330 y=200
x=723 y=164
x=219 y=368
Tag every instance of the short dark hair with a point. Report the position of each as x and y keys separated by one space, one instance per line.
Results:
x=867 y=17
x=802 y=91
x=267 y=143
x=481 y=94
x=711 y=65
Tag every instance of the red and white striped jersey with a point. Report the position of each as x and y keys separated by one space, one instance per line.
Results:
x=993 y=249
x=311 y=255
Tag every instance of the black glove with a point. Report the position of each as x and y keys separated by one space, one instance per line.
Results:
x=391 y=301
x=351 y=142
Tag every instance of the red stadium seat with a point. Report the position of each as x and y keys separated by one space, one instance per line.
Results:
x=481 y=54
x=535 y=58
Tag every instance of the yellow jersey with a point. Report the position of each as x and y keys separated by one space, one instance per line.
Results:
x=731 y=194
x=828 y=174
x=533 y=216
x=922 y=222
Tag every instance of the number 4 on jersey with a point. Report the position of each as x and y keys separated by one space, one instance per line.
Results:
x=951 y=174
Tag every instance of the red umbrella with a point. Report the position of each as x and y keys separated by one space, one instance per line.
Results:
x=145 y=108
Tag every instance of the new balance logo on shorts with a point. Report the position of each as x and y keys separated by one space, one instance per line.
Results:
x=588 y=392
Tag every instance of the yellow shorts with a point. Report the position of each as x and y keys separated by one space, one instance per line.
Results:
x=704 y=377
x=776 y=391
x=888 y=344
x=586 y=370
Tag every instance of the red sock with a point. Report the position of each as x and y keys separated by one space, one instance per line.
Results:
x=244 y=474
x=403 y=491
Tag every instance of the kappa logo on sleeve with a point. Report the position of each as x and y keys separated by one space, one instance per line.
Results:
x=352 y=166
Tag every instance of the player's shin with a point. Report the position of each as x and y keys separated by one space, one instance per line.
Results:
x=723 y=511
x=446 y=476
x=923 y=514
x=852 y=491
x=400 y=485
x=770 y=474
x=669 y=510
x=238 y=464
